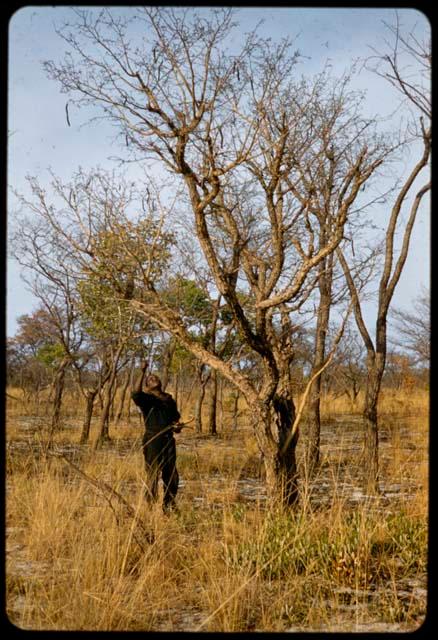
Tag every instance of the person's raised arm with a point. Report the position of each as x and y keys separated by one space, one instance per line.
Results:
x=138 y=384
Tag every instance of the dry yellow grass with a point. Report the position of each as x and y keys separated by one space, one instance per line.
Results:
x=400 y=402
x=226 y=562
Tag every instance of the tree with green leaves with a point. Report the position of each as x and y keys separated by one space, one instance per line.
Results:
x=48 y=274
x=92 y=234
x=33 y=353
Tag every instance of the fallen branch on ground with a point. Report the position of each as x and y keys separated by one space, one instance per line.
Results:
x=108 y=493
x=9 y=395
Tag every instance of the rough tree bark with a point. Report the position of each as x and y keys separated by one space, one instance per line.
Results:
x=58 y=390
x=166 y=362
x=103 y=427
x=212 y=413
x=203 y=378
x=235 y=408
x=323 y=316
x=281 y=461
x=126 y=383
x=90 y=396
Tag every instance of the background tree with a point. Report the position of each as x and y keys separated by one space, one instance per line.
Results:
x=28 y=362
x=331 y=292
x=47 y=268
x=412 y=330
x=209 y=323
x=346 y=374
x=196 y=310
x=92 y=373
x=77 y=251
x=415 y=89
x=128 y=374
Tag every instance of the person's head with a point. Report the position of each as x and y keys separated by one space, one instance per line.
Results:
x=153 y=382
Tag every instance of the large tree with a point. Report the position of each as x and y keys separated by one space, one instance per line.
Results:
x=406 y=66
x=253 y=154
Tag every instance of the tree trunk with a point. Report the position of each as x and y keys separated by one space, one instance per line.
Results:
x=123 y=395
x=314 y=428
x=89 y=397
x=235 y=408
x=115 y=389
x=279 y=458
x=131 y=382
x=100 y=397
x=221 y=403
x=274 y=419
x=212 y=415
x=176 y=392
x=375 y=369
x=203 y=379
x=352 y=393
x=104 y=416
x=58 y=390
x=167 y=361
x=108 y=399
x=198 y=409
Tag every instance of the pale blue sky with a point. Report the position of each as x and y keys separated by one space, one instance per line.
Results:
x=40 y=138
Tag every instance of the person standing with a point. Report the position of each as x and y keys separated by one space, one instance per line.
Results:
x=161 y=417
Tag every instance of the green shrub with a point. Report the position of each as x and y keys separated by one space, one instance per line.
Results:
x=358 y=550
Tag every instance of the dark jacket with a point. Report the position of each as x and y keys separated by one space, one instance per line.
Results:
x=159 y=410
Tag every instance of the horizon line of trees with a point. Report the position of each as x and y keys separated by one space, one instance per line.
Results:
x=34 y=356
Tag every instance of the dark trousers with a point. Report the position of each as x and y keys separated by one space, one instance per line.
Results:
x=159 y=452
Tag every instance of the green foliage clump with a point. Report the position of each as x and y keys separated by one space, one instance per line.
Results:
x=408 y=540
x=50 y=354
x=189 y=299
x=356 y=551
x=125 y=257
